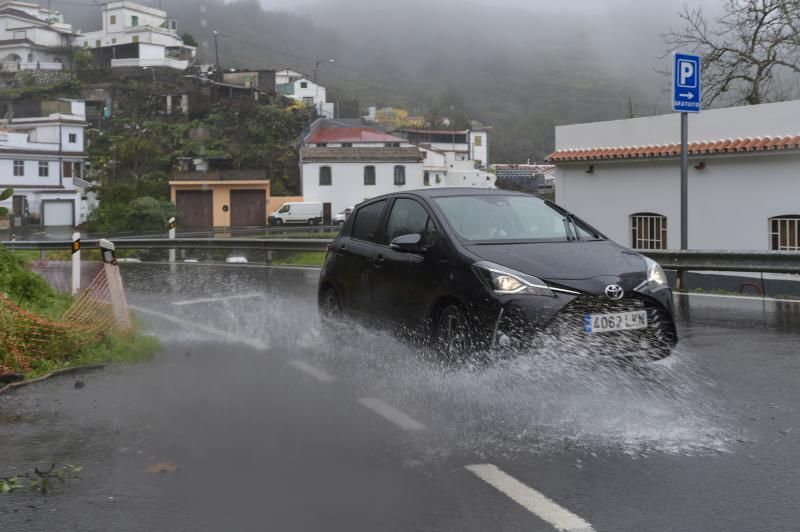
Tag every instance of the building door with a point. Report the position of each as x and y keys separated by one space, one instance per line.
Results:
x=58 y=212
x=326 y=213
x=248 y=207
x=195 y=208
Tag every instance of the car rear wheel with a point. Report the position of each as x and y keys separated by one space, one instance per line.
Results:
x=329 y=308
x=451 y=335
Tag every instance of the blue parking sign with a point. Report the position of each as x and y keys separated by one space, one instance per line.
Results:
x=686 y=96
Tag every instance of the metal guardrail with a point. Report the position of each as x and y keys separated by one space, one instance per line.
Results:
x=727 y=261
x=271 y=244
x=687 y=260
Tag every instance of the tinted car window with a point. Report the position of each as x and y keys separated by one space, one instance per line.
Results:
x=408 y=217
x=497 y=218
x=367 y=220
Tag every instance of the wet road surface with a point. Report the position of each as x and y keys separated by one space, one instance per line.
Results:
x=274 y=427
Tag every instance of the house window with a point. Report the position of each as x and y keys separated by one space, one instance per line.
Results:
x=392 y=144
x=369 y=175
x=322 y=144
x=347 y=144
x=308 y=100
x=78 y=170
x=44 y=169
x=478 y=140
x=325 y=179
x=648 y=231
x=19 y=168
x=134 y=20
x=426 y=179
x=784 y=232
x=303 y=84
x=67 y=169
x=97 y=43
x=112 y=20
x=135 y=38
x=399 y=175
x=19 y=35
x=73 y=138
x=114 y=40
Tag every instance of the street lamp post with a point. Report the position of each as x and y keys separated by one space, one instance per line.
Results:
x=216 y=49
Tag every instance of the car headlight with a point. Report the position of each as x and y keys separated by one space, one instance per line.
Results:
x=505 y=281
x=656 y=278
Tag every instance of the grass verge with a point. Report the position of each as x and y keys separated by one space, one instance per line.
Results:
x=304 y=258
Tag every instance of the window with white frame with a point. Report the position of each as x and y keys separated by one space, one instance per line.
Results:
x=369 y=175
x=648 y=231
x=19 y=168
x=44 y=169
x=784 y=233
x=325 y=177
x=399 y=175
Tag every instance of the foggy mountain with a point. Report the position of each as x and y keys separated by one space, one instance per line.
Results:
x=522 y=68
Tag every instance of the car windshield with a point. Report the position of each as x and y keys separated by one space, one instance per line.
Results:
x=489 y=218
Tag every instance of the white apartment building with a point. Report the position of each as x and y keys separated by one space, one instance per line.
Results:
x=448 y=168
x=623 y=176
x=467 y=145
x=134 y=35
x=344 y=164
x=43 y=159
x=32 y=37
x=299 y=87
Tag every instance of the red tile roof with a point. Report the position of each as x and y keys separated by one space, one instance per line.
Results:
x=791 y=142
x=350 y=134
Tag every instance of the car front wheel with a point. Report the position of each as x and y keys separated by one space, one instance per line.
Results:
x=451 y=335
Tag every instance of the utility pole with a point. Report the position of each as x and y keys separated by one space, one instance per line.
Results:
x=216 y=49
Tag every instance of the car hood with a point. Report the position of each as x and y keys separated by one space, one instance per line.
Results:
x=568 y=263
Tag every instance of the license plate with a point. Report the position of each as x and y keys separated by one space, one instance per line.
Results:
x=619 y=321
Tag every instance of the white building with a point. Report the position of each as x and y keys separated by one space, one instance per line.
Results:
x=299 y=87
x=134 y=35
x=468 y=145
x=32 y=38
x=343 y=164
x=623 y=177
x=43 y=159
x=448 y=168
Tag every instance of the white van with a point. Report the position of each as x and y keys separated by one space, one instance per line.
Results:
x=297 y=213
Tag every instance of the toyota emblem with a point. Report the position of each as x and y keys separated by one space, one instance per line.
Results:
x=614 y=291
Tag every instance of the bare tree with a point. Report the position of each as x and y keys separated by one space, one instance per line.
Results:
x=750 y=52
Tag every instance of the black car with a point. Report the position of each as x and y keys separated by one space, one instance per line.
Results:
x=472 y=270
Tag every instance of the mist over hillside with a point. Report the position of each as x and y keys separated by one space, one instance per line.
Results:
x=521 y=67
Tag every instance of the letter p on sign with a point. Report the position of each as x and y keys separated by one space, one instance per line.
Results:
x=687 y=76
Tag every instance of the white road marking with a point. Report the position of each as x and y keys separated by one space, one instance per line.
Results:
x=727 y=296
x=530 y=499
x=215 y=299
x=311 y=370
x=401 y=419
x=229 y=336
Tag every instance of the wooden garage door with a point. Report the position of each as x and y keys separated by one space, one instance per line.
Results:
x=195 y=208
x=248 y=207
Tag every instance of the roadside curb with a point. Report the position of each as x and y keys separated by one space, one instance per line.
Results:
x=57 y=373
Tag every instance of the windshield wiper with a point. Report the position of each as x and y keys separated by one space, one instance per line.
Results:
x=570 y=227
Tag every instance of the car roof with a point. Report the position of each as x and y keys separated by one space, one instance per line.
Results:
x=444 y=192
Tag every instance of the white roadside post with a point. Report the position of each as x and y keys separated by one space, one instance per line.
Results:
x=76 y=263
x=171 y=226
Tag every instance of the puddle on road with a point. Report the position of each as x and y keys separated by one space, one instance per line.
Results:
x=538 y=402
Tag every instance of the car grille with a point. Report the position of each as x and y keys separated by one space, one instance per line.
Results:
x=567 y=326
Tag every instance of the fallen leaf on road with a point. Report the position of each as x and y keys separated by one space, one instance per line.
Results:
x=163 y=467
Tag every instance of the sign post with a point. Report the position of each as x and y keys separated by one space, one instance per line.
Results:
x=76 y=263
x=686 y=98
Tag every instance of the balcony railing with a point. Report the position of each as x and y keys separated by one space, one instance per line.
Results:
x=144 y=62
x=14 y=66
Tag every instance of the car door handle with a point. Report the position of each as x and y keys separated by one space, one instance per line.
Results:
x=377 y=261
x=342 y=247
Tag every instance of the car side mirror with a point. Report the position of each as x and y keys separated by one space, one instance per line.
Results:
x=408 y=243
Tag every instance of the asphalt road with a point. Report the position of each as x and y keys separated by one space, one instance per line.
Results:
x=274 y=427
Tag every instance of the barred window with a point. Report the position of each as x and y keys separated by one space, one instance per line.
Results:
x=648 y=231
x=784 y=232
x=369 y=175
